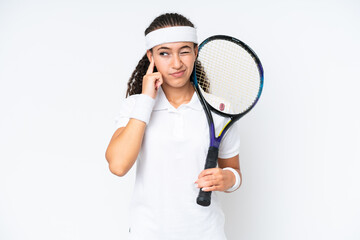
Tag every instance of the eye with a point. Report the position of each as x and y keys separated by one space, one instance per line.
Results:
x=163 y=53
x=184 y=52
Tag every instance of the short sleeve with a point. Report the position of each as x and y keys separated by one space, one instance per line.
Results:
x=126 y=107
x=230 y=144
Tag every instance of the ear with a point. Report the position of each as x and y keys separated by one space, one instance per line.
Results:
x=149 y=55
x=196 y=49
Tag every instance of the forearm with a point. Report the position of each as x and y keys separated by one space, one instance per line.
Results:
x=124 y=147
x=234 y=179
x=233 y=163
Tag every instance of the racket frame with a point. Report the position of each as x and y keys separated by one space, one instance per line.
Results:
x=204 y=198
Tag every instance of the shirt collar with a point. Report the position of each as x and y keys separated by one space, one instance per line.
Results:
x=162 y=103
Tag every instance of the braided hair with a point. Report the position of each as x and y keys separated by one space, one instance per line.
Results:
x=162 y=21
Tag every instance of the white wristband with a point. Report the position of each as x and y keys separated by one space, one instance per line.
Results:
x=237 y=179
x=143 y=108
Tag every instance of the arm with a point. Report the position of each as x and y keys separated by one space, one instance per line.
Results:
x=233 y=163
x=125 y=143
x=217 y=179
x=124 y=147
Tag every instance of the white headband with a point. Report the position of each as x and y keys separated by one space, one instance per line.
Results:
x=170 y=34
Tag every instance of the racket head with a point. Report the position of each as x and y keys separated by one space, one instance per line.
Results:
x=228 y=75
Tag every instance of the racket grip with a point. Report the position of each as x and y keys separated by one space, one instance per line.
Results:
x=204 y=198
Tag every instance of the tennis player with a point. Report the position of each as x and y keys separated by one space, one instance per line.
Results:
x=163 y=128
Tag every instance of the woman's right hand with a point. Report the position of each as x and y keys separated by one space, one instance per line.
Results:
x=151 y=81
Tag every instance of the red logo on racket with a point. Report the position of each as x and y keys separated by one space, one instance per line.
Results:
x=222 y=107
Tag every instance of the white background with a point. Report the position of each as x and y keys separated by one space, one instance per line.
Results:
x=63 y=70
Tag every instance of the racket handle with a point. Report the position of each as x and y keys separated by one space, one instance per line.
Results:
x=204 y=198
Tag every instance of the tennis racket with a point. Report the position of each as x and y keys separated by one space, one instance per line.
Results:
x=228 y=79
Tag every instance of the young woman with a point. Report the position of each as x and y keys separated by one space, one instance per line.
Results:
x=163 y=128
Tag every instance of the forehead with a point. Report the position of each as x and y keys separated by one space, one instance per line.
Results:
x=174 y=45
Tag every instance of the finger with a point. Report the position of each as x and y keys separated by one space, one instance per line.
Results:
x=211 y=186
x=207 y=182
x=208 y=171
x=158 y=83
x=210 y=189
x=208 y=178
x=207 y=185
x=202 y=175
x=151 y=66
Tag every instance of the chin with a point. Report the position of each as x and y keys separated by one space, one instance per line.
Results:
x=177 y=82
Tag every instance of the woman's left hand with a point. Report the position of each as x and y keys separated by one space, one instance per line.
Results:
x=215 y=179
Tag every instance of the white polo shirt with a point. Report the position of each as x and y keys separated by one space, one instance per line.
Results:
x=172 y=156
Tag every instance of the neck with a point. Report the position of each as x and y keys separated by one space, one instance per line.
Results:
x=178 y=96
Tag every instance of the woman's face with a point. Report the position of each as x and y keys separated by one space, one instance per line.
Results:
x=175 y=62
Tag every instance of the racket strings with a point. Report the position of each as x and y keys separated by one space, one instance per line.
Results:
x=229 y=75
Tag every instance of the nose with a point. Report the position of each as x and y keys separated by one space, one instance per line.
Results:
x=177 y=63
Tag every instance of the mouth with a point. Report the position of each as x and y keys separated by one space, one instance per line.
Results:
x=178 y=74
